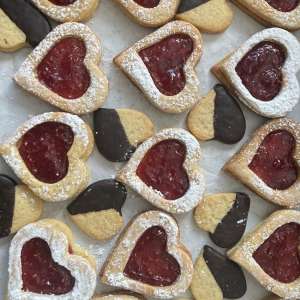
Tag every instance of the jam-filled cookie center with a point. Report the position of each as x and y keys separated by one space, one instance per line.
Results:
x=274 y=162
x=149 y=261
x=40 y=273
x=147 y=3
x=62 y=2
x=44 y=150
x=63 y=71
x=162 y=169
x=279 y=255
x=283 y=5
x=165 y=62
x=261 y=70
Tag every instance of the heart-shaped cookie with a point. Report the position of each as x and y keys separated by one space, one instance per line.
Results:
x=271 y=253
x=63 y=70
x=277 y=13
x=149 y=258
x=18 y=206
x=269 y=163
x=165 y=171
x=150 y=13
x=48 y=154
x=67 y=10
x=162 y=66
x=211 y=16
x=44 y=262
x=269 y=87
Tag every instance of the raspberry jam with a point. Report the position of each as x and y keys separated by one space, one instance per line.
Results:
x=62 y=70
x=62 y=2
x=44 y=150
x=147 y=3
x=149 y=262
x=274 y=162
x=40 y=274
x=283 y=5
x=260 y=70
x=162 y=169
x=279 y=256
x=165 y=61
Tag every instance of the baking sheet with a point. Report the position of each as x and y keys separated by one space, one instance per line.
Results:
x=117 y=32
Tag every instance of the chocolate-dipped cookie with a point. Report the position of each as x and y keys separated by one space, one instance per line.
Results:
x=18 y=206
x=27 y=18
x=217 y=116
x=224 y=216
x=216 y=277
x=119 y=131
x=97 y=210
x=211 y=16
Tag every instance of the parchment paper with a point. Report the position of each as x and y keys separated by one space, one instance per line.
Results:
x=117 y=32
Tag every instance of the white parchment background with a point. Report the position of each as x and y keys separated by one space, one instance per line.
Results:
x=117 y=32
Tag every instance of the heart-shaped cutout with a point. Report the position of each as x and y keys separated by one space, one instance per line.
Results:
x=63 y=70
x=275 y=13
x=48 y=154
x=44 y=262
x=262 y=72
x=67 y=10
x=150 y=13
x=162 y=66
x=271 y=253
x=149 y=258
x=269 y=163
x=165 y=171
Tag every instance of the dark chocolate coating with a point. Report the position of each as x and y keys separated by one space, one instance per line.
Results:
x=7 y=204
x=110 y=136
x=230 y=230
x=28 y=18
x=186 y=5
x=227 y=273
x=229 y=120
x=101 y=195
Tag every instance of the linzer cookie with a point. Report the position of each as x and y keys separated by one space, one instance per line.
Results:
x=45 y=263
x=165 y=171
x=216 y=277
x=279 y=13
x=262 y=72
x=18 y=206
x=224 y=216
x=97 y=210
x=217 y=116
x=117 y=296
x=269 y=163
x=211 y=16
x=150 y=13
x=20 y=20
x=118 y=132
x=149 y=258
x=48 y=154
x=162 y=66
x=63 y=70
x=67 y=10
x=271 y=253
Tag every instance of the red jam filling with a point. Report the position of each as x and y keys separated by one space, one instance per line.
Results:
x=149 y=262
x=283 y=5
x=279 y=256
x=147 y=3
x=44 y=150
x=165 y=62
x=260 y=70
x=63 y=71
x=162 y=169
x=62 y=2
x=274 y=162
x=40 y=274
